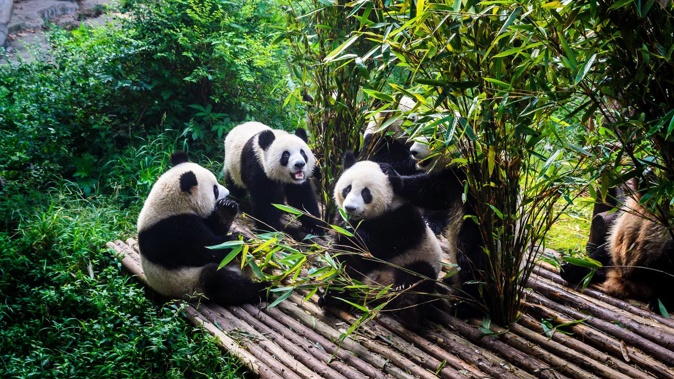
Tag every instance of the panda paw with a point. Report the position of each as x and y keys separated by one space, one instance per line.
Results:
x=229 y=207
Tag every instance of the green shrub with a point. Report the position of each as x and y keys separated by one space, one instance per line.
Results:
x=67 y=310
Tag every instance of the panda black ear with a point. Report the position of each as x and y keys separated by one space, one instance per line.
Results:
x=179 y=157
x=188 y=181
x=348 y=160
x=266 y=138
x=302 y=133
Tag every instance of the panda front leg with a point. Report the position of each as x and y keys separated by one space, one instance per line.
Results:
x=228 y=286
x=263 y=197
x=303 y=197
x=220 y=221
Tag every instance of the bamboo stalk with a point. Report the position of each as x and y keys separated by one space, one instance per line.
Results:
x=537 y=351
x=532 y=365
x=485 y=360
x=334 y=335
x=419 y=349
x=629 y=337
x=248 y=359
x=330 y=347
x=289 y=363
x=291 y=343
x=661 y=337
x=653 y=318
x=406 y=347
x=600 y=339
x=254 y=348
x=584 y=349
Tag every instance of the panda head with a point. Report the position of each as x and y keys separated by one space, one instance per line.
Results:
x=420 y=152
x=186 y=188
x=286 y=157
x=364 y=191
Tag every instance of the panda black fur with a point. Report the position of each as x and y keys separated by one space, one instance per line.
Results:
x=393 y=147
x=274 y=166
x=638 y=258
x=186 y=211
x=439 y=191
x=392 y=231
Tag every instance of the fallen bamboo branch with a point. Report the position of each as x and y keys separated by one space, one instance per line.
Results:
x=629 y=337
x=661 y=337
x=616 y=365
x=330 y=347
x=537 y=351
x=334 y=335
x=248 y=359
x=600 y=339
x=407 y=347
x=258 y=338
x=257 y=351
x=532 y=365
x=655 y=319
x=485 y=360
x=313 y=359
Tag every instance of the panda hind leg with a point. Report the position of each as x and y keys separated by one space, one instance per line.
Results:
x=412 y=309
x=228 y=286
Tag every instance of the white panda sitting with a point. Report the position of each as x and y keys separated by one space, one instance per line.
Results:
x=274 y=166
x=392 y=230
x=186 y=211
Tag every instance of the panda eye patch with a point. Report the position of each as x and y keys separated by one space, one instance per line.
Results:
x=346 y=190
x=284 y=158
x=304 y=155
x=367 y=196
x=216 y=192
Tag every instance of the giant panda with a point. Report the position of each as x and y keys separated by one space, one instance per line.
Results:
x=439 y=192
x=186 y=211
x=388 y=144
x=637 y=258
x=404 y=251
x=274 y=167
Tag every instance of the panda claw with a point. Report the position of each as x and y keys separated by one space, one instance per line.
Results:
x=228 y=205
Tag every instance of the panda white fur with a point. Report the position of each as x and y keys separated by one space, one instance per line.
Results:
x=392 y=231
x=274 y=167
x=186 y=211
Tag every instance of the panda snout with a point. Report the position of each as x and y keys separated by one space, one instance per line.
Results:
x=350 y=208
x=300 y=164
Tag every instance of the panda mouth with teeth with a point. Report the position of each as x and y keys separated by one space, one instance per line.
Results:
x=298 y=176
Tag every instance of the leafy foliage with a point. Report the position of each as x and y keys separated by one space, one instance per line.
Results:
x=67 y=311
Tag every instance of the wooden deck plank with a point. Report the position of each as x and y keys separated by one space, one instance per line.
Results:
x=299 y=340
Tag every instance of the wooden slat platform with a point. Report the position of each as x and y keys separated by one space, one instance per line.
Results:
x=298 y=340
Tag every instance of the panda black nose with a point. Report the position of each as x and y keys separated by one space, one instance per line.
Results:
x=414 y=153
x=349 y=208
x=300 y=164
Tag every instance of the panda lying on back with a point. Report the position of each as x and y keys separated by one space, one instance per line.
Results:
x=405 y=251
x=186 y=211
x=274 y=166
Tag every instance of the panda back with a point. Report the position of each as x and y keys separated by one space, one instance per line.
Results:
x=234 y=146
x=175 y=283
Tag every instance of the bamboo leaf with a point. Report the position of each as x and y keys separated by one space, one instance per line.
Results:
x=662 y=309
x=378 y=95
x=230 y=257
x=586 y=262
x=586 y=68
x=620 y=4
x=333 y=54
x=289 y=209
x=341 y=230
x=226 y=245
x=497 y=82
x=571 y=57
x=510 y=19
x=284 y=296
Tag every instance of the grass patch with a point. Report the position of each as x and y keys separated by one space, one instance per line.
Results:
x=569 y=234
x=67 y=310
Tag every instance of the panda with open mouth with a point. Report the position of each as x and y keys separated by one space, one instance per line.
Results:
x=273 y=167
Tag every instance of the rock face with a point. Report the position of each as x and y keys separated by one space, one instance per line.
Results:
x=5 y=16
